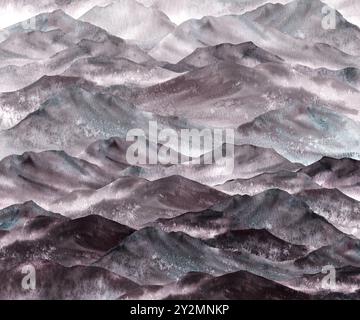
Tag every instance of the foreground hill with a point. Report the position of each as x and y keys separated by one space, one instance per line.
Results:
x=283 y=215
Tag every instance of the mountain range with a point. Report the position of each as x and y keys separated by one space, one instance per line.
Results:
x=277 y=203
x=146 y=28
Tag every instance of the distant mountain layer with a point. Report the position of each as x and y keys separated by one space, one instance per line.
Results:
x=305 y=19
x=235 y=29
x=66 y=40
x=178 y=12
x=130 y=20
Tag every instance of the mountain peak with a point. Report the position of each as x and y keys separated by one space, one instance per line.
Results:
x=11 y=216
x=50 y=17
x=59 y=12
x=146 y=28
x=303 y=19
